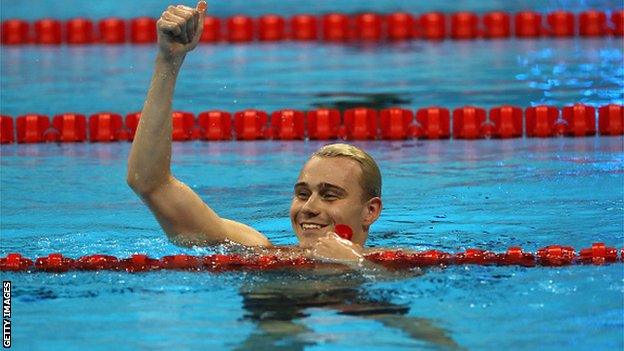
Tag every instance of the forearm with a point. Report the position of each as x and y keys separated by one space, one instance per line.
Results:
x=150 y=156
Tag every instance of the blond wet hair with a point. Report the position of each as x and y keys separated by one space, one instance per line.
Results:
x=371 y=175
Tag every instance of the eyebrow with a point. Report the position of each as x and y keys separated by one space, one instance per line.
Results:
x=322 y=186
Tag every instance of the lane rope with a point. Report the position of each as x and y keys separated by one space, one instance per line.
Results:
x=396 y=123
x=549 y=256
x=331 y=27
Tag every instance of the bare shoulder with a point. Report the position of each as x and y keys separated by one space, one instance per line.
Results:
x=189 y=221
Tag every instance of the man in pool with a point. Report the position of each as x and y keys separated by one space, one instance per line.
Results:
x=339 y=184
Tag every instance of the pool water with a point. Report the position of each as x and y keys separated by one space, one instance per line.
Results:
x=448 y=195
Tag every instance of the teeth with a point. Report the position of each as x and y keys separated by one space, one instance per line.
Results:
x=310 y=226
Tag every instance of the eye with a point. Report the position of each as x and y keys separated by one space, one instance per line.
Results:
x=301 y=194
x=330 y=196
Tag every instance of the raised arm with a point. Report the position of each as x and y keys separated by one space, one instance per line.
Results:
x=182 y=214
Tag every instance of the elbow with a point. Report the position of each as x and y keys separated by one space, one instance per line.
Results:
x=144 y=185
x=139 y=186
x=132 y=181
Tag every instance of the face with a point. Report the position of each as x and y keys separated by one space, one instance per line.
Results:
x=327 y=193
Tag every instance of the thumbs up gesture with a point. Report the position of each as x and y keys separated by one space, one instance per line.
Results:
x=179 y=29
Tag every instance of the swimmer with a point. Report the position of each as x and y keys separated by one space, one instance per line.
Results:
x=339 y=187
x=338 y=191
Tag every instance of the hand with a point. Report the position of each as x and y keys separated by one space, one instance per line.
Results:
x=179 y=29
x=334 y=248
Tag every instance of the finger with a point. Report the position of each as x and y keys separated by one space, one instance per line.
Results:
x=202 y=6
x=191 y=26
x=179 y=23
x=185 y=13
x=184 y=8
x=194 y=26
x=188 y=14
x=170 y=27
x=331 y=236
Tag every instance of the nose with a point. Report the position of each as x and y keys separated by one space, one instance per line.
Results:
x=310 y=208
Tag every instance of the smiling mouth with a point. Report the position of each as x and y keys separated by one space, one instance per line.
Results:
x=309 y=227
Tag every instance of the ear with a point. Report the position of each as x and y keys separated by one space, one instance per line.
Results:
x=372 y=210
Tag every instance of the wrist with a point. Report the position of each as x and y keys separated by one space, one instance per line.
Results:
x=170 y=62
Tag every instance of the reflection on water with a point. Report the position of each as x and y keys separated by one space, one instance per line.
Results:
x=345 y=100
x=278 y=302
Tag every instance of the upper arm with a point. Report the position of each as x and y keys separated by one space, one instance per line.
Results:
x=187 y=220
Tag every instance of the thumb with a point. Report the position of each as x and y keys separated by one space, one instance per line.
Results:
x=201 y=8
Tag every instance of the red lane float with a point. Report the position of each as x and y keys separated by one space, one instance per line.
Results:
x=271 y=28
x=496 y=25
x=15 y=32
x=323 y=124
x=212 y=30
x=288 y=125
x=468 y=122
x=31 y=128
x=48 y=32
x=304 y=27
x=611 y=119
x=143 y=30
x=528 y=24
x=216 y=125
x=433 y=26
x=464 y=25
x=79 y=31
x=55 y=262
x=6 y=129
x=105 y=127
x=132 y=123
x=476 y=256
x=580 y=120
x=15 y=262
x=336 y=27
x=553 y=255
x=369 y=27
x=593 y=24
x=540 y=121
x=112 y=31
x=396 y=124
x=560 y=24
x=401 y=26
x=240 y=29
x=183 y=126
x=96 y=263
x=70 y=128
x=435 y=122
x=617 y=18
x=181 y=262
x=599 y=254
x=515 y=256
x=139 y=263
x=556 y=255
x=250 y=124
x=507 y=122
x=362 y=123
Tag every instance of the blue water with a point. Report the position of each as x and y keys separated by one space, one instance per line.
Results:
x=447 y=195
